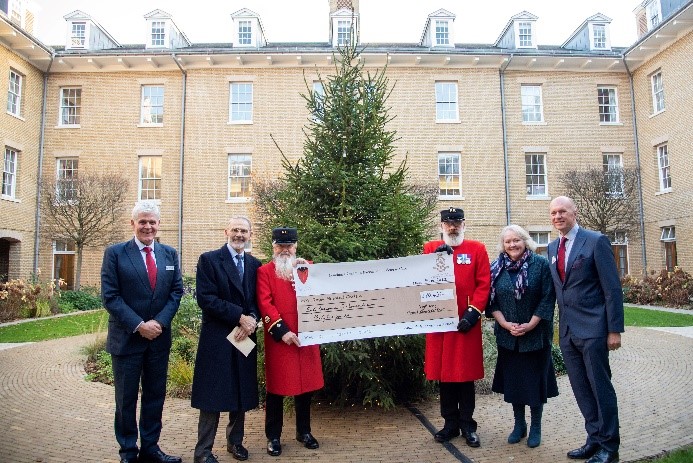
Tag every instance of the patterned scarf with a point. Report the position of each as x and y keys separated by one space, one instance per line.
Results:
x=505 y=262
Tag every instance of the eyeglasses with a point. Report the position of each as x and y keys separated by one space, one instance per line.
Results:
x=242 y=231
x=454 y=223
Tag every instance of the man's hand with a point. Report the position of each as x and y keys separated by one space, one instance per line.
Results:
x=247 y=324
x=468 y=320
x=613 y=341
x=291 y=338
x=444 y=248
x=150 y=330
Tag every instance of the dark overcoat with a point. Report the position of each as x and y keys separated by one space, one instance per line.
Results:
x=224 y=379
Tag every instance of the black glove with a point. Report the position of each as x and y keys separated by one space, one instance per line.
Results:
x=468 y=320
x=444 y=248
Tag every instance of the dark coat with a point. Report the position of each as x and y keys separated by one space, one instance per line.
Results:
x=224 y=379
x=539 y=299
x=130 y=300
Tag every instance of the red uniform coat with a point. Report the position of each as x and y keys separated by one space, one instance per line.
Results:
x=454 y=356
x=289 y=370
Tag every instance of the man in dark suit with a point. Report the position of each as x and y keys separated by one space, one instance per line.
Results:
x=141 y=288
x=590 y=302
x=225 y=379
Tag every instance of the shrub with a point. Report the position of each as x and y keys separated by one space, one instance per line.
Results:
x=558 y=362
x=78 y=300
x=100 y=369
x=180 y=375
x=27 y=299
x=673 y=289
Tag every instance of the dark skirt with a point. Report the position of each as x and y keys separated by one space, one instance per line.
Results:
x=525 y=378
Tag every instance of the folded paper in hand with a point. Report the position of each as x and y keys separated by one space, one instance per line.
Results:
x=246 y=346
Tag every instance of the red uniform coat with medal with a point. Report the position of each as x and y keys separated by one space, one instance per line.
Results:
x=453 y=356
x=289 y=370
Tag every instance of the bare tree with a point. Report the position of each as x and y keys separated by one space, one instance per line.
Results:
x=606 y=200
x=86 y=210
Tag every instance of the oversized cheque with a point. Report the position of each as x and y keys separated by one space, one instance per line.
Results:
x=357 y=300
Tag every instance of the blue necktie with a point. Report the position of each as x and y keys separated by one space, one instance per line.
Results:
x=239 y=265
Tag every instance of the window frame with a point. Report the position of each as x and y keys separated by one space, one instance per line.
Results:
x=605 y=106
x=9 y=174
x=14 y=93
x=81 y=39
x=531 y=175
x=522 y=27
x=668 y=239
x=525 y=105
x=77 y=116
x=654 y=14
x=542 y=245
x=245 y=32
x=599 y=37
x=442 y=32
x=609 y=167
x=236 y=107
x=61 y=177
x=151 y=105
x=663 y=168
x=239 y=173
x=446 y=160
x=157 y=33
x=658 y=102
x=319 y=92
x=343 y=27
x=449 y=106
x=152 y=193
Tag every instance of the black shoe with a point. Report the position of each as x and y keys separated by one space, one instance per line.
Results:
x=308 y=440
x=274 y=448
x=472 y=438
x=604 y=456
x=446 y=434
x=584 y=452
x=208 y=459
x=238 y=451
x=158 y=457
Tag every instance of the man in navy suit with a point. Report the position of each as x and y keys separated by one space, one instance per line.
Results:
x=141 y=288
x=590 y=303
x=225 y=380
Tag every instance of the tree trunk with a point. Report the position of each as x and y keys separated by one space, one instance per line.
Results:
x=78 y=272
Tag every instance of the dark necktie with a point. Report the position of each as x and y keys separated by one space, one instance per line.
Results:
x=239 y=265
x=560 y=262
x=151 y=266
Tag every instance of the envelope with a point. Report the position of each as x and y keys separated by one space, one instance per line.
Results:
x=246 y=346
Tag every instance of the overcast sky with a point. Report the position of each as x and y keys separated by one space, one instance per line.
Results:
x=396 y=21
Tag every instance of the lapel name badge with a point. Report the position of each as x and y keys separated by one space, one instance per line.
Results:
x=464 y=259
x=170 y=267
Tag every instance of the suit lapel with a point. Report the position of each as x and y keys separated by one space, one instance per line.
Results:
x=230 y=268
x=135 y=256
x=580 y=239
x=553 y=260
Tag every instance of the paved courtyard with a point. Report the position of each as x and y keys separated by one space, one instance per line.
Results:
x=49 y=413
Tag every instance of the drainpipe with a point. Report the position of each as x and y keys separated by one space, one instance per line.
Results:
x=637 y=162
x=501 y=73
x=39 y=174
x=181 y=167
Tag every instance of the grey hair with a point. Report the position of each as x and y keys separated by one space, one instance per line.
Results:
x=519 y=231
x=240 y=217
x=146 y=207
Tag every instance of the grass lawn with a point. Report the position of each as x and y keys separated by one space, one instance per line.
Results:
x=635 y=316
x=57 y=327
x=684 y=455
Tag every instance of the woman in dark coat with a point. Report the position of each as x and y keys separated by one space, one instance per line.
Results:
x=522 y=301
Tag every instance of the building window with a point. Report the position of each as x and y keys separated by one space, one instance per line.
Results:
x=244 y=33
x=239 y=176
x=9 y=173
x=599 y=36
x=70 y=106
x=449 y=178
x=446 y=102
x=66 y=181
x=535 y=174
x=442 y=33
x=532 y=108
x=664 y=172
x=542 y=239
x=14 y=93
x=657 y=92
x=653 y=14
x=613 y=173
x=668 y=239
x=158 y=33
x=64 y=263
x=150 y=177
x=619 y=246
x=525 y=34
x=78 y=35
x=608 y=104
x=343 y=32
x=241 y=102
x=319 y=92
x=152 y=104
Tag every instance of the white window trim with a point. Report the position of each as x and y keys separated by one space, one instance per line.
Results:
x=252 y=33
x=618 y=109
x=541 y=105
x=252 y=103
x=459 y=166
x=656 y=111
x=653 y=5
x=237 y=199
x=456 y=119
x=614 y=194
x=86 y=35
x=150 y=39
x=139 y=178
x=546 y=195
x=150 y=124
x=660 y=177
x=60 y=108
x=58 y=171
x=532 y=34
x=13 y=193
x=446 y=23
x=18 y=95
x=607 y=40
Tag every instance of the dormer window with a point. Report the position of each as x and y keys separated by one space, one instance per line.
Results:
x=442 y=33
x=524 y=34
x=654 y=15
x=78 y=34
x=344 y=26
x=599 y=36
x=439 y=29
x=343 y=32
x=245 y=33
x=158 y=33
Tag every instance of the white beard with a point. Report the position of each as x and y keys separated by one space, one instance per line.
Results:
x=284 y=267
x=453 y=241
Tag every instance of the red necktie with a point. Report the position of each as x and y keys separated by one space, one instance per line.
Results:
x=151 y=266
x=560 y=262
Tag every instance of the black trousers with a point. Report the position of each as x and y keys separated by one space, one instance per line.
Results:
x=457 y=402
x=274 y=414
x=207 y=427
